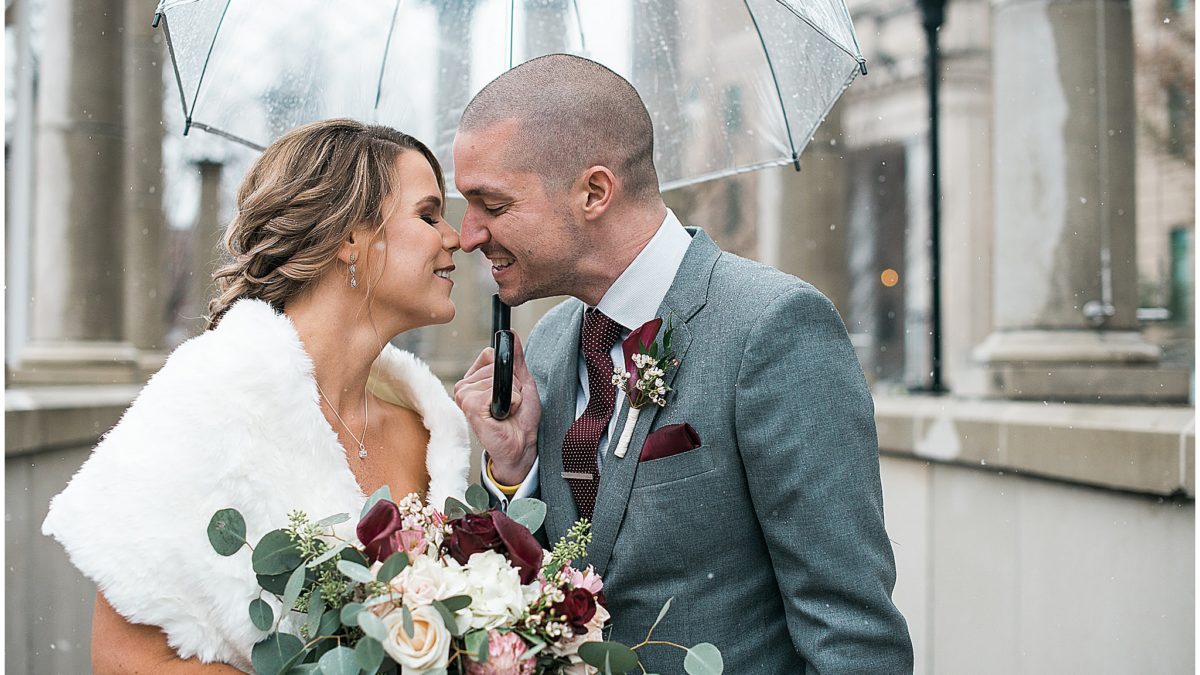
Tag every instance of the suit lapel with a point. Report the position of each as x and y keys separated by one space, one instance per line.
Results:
x=687 y=295
x=558 y=411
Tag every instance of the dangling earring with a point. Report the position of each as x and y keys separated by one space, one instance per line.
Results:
x=353 y=270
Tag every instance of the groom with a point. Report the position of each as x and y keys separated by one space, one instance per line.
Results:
x=752 y=497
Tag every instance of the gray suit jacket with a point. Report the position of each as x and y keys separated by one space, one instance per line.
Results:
x=769 y=536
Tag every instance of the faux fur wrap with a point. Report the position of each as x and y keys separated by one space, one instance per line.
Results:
x=232 y=420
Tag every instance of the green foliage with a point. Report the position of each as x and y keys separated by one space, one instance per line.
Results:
x=355 y=571
x=339 y=661
x=477 y=498
x=349 y=613
x=447 y=617
x=455 y=509
x=295 y=585
x=261 y=614
x=315 y=607
x=276 y=553
x=611 y=656
x=227 y=531
x=384 y=492
x=276 y=654
x=529 y=512
x=369 y=654
x=476 y=644
x=372 y=625
x=394 y=565
x=703 y=659
x=573 y=546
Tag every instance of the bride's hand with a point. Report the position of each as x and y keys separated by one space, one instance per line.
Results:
x=512 y=442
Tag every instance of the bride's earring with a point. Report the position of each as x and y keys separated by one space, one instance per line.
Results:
x=353 y=270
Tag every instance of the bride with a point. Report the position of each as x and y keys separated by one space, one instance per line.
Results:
x=292 y=399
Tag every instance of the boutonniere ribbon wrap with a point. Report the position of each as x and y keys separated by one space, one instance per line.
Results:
x=646 y=364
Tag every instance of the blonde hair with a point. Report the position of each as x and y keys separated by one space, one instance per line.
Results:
x=300 y=201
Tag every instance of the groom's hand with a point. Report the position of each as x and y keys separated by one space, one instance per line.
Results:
x=511 y=442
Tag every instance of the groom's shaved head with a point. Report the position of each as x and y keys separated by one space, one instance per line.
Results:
x=572 y=114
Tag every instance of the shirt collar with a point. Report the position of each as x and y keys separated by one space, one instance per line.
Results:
x=634 y=298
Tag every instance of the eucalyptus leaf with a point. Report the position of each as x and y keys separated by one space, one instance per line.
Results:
x=276 y=553
x=304 y=669
x=457 y=602
x=661 y=613
x=394 y=565
x=355 y=572
x=407 y=617
x=339 y=661
x=273 y=583
x=477 y=497
x=331 y=623
x=316 y=607
x=328 y=555
x=529 y=512
x=447 y=618
x=227 y=531
x=261 y=614
x=276 y=654
x=295 y=586
x=455 y=509
x=335 y=519
x=355 y=556
x=369 y=654
x=382 y=493
x=476 y=643
x=615 y=655
x=703 y=659
x=372 y=625
x=349 y=613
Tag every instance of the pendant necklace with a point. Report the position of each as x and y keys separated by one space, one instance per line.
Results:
x=362 y=445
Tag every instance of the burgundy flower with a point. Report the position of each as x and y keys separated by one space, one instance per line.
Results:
x=579 y=606
x=495 y=531
x=471 y=534
x=521 y=548
x=641 y=338
x=375 y=530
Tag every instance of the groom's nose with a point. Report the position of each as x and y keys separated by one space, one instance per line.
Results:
x=472 y=234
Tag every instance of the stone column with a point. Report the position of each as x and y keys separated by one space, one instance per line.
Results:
x=77 y=325
x=1065 y=295
x=811 y=206
x=204 y=244
x=144 y=219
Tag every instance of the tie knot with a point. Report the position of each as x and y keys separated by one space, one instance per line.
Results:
x=600 y=333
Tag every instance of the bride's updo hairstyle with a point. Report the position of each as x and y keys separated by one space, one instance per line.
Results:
x=300 y=201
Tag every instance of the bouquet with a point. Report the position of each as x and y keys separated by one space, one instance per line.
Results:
x=465 y=590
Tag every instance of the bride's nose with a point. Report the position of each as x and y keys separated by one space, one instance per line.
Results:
x=450 y=240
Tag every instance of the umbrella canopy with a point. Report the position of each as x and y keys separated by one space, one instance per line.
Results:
x=731 y=85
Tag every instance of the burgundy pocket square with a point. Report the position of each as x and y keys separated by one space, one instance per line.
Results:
x=669 y=440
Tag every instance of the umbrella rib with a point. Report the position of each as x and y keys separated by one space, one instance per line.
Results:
x=175 y=67
x=778 y=92
x=226 y=134
x=387 y=46
x=821 y=31
x=579 y=23
x=512 y=30
x=204 y=70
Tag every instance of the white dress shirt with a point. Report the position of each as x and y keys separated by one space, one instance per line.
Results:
x=632 y=300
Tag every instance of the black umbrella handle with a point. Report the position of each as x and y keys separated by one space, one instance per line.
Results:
x=503 y=341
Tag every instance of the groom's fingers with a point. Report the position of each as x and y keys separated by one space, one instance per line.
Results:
x=486 y=358
x=519 y=366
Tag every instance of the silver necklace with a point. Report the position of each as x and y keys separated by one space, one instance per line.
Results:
x=362 y=445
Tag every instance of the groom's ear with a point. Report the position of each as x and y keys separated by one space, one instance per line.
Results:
x=599 y=186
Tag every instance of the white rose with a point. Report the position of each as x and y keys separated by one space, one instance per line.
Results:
x=427 y=649
x=427 y=579
x=497 y=597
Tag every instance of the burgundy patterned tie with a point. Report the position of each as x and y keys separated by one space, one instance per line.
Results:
x=582 y=442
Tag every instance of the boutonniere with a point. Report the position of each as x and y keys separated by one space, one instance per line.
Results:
x=646 y=364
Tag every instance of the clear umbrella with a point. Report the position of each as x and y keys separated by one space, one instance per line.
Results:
x=731 y=85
